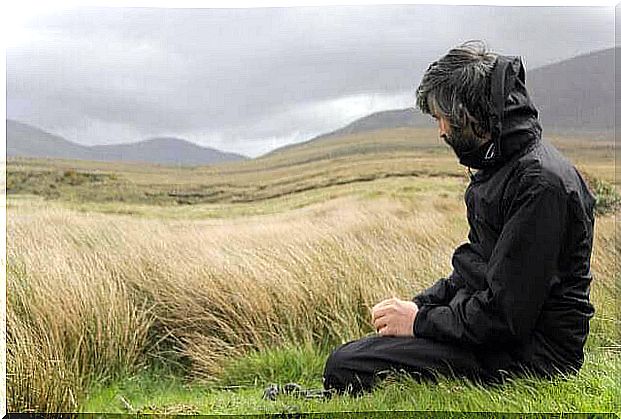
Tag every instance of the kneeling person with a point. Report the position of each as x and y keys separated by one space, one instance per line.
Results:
x=517 y=300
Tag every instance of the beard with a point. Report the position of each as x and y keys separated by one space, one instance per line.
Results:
x=462 y=141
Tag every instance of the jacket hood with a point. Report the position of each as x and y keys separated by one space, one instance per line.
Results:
x=514 y=120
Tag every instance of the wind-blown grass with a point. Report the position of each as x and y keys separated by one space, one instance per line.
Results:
x=96 y=297
x=141 y=287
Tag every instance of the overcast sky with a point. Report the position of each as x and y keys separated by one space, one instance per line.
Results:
x=250 y=80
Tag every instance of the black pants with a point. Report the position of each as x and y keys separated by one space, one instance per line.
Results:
x=357 y=365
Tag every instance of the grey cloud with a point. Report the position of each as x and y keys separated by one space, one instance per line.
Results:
x=249 y=78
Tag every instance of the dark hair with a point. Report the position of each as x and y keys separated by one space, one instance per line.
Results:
x=457 y=86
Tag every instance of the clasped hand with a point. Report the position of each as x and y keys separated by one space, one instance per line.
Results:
x=394 y=317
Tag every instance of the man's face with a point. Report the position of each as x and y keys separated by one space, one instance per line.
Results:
x=462 y=141
x=443 y=126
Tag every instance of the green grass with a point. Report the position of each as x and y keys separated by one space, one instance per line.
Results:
x=594 y=389
x=607 y=197
x=239 y=388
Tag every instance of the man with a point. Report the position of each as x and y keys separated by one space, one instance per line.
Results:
x=517 y=300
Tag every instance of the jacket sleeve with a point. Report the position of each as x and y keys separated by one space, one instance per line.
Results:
x=521 y=268
x=441 y=292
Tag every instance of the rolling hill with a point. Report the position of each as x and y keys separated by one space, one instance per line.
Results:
x=24 y=140
x=396 y=118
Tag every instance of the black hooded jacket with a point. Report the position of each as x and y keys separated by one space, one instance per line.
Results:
x=519 y=289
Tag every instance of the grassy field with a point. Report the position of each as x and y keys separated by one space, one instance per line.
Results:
x=125 y=298
x=316 y=166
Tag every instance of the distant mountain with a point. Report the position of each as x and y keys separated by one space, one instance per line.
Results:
x=577 y=94
x=397 y=118
x=27 y=141
x=572 y=96
x=164 y=150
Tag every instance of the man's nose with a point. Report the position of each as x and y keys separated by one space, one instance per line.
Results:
x=442 y=128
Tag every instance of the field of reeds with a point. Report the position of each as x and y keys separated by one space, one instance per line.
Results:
x=105 y=294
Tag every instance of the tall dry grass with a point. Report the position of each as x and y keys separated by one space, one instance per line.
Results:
x=93 y=296
x=70 y=319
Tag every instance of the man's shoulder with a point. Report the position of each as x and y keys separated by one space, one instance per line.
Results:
x=545 y=166
x=544 y=169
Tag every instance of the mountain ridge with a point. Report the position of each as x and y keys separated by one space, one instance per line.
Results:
x=26 y=140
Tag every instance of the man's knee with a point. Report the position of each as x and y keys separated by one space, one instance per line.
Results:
x=334 y=374
x=340 y=373
x=346 y=357
x=333 y=362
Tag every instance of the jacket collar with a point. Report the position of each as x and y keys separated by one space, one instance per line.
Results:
x=514 y=122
